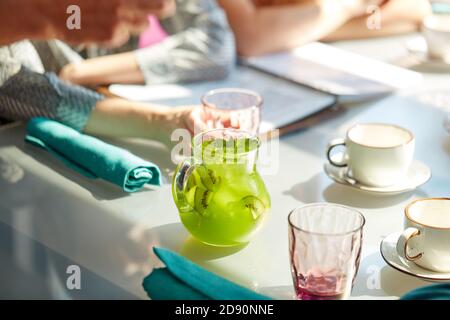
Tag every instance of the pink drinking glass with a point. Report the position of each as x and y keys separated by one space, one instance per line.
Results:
x=233 y=108
x=325 y=247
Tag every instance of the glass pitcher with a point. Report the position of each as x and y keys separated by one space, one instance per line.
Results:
x=220 y=196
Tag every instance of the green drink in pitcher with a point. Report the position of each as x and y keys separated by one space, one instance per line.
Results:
x=221 y=198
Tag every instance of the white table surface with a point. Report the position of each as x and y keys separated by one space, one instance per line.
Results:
x=51 y=218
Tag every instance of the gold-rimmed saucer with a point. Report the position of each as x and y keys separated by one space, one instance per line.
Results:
x=388 y=250
x=418 y=174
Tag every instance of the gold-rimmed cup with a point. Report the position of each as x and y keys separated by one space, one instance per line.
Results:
x=376 y=154
x=436 y=31
x=426 y=238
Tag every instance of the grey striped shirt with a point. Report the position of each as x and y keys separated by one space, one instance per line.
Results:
x=27 y=91
x=200 y=46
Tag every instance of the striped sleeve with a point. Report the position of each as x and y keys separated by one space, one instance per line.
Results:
x=200 y=48
x=28 y=94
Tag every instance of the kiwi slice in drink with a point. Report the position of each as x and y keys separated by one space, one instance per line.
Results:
x=215 y=149
x=194 y=180
x=241 y=145
x=208 y=178
x=202 y=199
x=255 y=205
x=190 y=196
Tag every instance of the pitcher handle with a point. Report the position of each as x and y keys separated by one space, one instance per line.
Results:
x=180 y=179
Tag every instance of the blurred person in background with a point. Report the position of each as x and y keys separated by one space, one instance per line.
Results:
x=195 y=44
x=203 y=48
x=27 y=90
x=265 y=26
x=106 y=22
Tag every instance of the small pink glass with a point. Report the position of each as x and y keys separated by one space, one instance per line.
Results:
x=233 y=108
x=325 y=243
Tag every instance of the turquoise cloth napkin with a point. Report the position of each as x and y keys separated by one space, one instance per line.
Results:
x=434 y=292
x=92 y=157
x=184 y=280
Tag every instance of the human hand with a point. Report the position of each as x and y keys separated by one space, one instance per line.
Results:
x=359 y=8
x=195 y=120
x=191 y=118
x=104 y=22
x=350 y=8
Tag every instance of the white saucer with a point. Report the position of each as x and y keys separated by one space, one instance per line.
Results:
x=418 y=47
x=389 y=253
x=418 y=174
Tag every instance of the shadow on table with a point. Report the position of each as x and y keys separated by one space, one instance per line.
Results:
x=427 y=67
x=368 y=279
x=446 y=144
x=309 y=191
x=170 y=236
x=347 y=196
x=396 y=283
x=278 y=292
x=100 y=189
x=174 y=236
x=315 y=190
x=377 y=279
x=198 y=251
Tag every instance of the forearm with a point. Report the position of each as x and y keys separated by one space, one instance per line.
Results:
x=396 y=16
x=29 y=94
x=121 y=118
x=261 y=30
x=117 y=68
x=357 y=29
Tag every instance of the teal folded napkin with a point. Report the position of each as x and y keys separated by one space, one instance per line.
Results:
x=433 y=292
x=184 y=280
x=92 y=157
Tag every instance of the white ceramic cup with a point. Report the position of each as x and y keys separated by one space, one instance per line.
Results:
x=436 y=31
x=376 y=154
x=426 y=238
